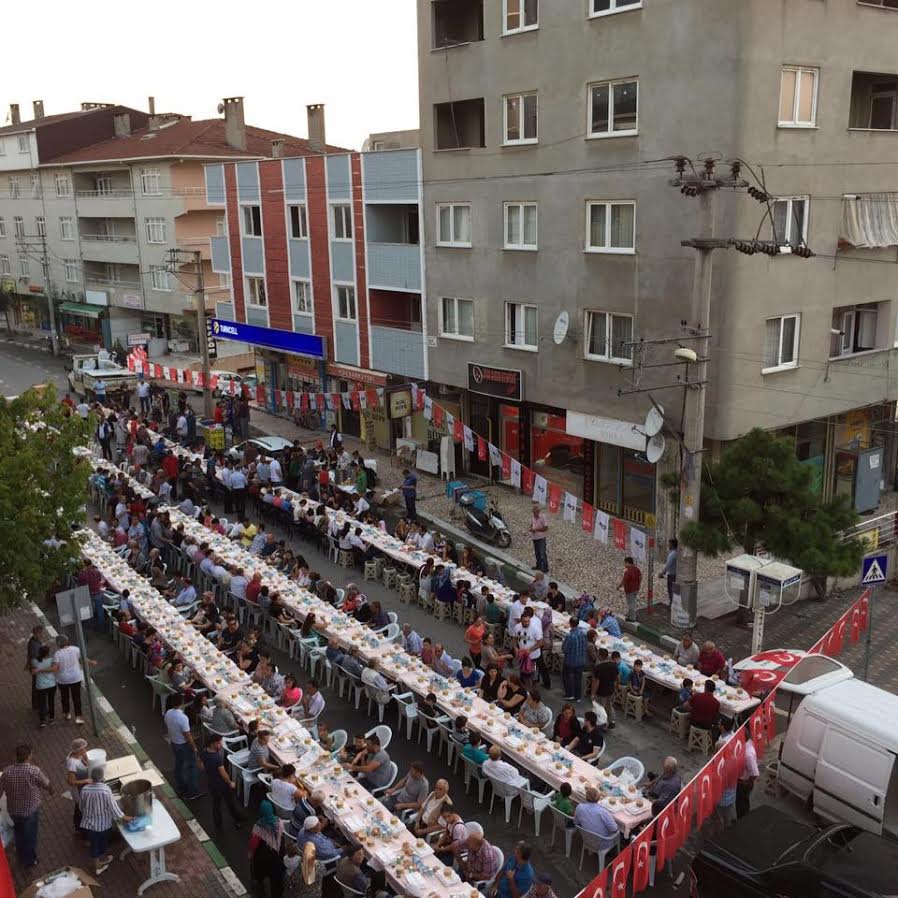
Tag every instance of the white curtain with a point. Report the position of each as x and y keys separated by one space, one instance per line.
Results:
x=870 y=220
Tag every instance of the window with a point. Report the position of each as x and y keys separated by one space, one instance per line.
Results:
x=221 y=227
x=71 y=271
x=520 y=118
x=149 y=182
x=160 y=279
x=2 y=226
x=608 y=337
x=613 y=108
x=781 y=342
x=605 y=7
x=453 y=224
x=790 y=221
x=23 y=266
x=14 y=187
x=103 y=185
x=155 y=230
x=224 y=280
x=19 y=225
x=63 y=184
x=299 y=226
x=66 y=229
x=36 y=186
x=856 y=327
x=611 y=227
x=457 y=318
x=302 y=297
x=4 y=265
x=40 y=224
x=346 y=303
x=520 y=15
x=342 y=222
x=520 y=326
x=798 y=97
x=23 y=142
x=154 y=325
x=255 y=292
x=520 y=225
x=113 y=273
x=252 y=221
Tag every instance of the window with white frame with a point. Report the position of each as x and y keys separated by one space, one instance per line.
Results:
x=66 y=228
x=160 y=279
x=609 y=337
x=519 y=15
x=302 y=297
x=453 y=224
x=342 y=217
x=346 y=303
x=299 y=225
x=781 y=342
x=24 y=268
x=14 y=187
x=790 y=220
x=19 y=226
x=798 y=97
x=113 y=273
x=610 y=226
x=4 y=265
x=252 y=221
x=605 y=7
x=224 y=280
x=72 y=275
x=457 y=318
x=149 y=182
x=40 y=225
x=155 y=228
x=63 y=184
x=255 y=292
x=221 y=227
x=103 y=185
x=520 y=226
x=521 y=115
x=614 y=108
x=855 y=329
x=520 y=326
x=2 y=226
x=23 y=142
x=36 y=186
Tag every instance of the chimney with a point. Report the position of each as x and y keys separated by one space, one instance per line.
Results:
x=315 y=115
x=14 y=116
x=151 y=105
x=121 y=124
x=235 y=127
x=277 y=148
x=38 y=106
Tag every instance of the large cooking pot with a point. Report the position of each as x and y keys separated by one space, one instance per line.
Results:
x=137 y=798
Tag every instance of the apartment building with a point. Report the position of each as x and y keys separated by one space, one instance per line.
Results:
x=553 y=237
x=326 y=265
x=92 y=222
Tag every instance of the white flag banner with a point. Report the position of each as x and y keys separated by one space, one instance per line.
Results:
x=415 y=397
x=450 y=423
x=347 y=401
x=515 y=473
x=570 y=507
x=329 y=402
x=363 y=400
x=469 y=439
x=428 y=408
x=637 y=544
x=603 y=523
x=380 y=396
x=540 y=489
x=495 y=456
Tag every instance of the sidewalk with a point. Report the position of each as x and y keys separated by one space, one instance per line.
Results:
x=193 y=860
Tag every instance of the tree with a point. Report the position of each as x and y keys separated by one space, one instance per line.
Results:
x=42 y=492
x=759 y=495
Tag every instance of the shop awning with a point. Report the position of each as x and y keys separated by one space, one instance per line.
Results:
x=80 y=308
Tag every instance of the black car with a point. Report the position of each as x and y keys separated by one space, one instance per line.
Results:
x=768 y=854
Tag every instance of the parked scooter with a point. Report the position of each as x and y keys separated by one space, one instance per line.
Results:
x=489 y=525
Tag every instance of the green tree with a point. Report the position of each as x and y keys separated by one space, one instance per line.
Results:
x=42 y=492
x=759 y=495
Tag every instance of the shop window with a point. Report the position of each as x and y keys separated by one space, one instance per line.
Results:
x=637 y=486
x=555 y=454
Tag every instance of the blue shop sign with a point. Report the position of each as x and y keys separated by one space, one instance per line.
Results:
x=285 y=341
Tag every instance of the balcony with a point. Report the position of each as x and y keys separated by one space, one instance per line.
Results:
x=874 y=102
x=394 y=266
x=456 y=22
x=111 y=203
x=121 y=250
x=460 y=125
x=397 y=351
x=120 y=294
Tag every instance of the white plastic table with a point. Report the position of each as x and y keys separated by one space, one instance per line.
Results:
x=162 y=831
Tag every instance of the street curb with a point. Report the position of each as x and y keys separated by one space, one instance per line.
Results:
x=231 y=884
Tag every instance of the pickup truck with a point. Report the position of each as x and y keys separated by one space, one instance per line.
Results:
x=86 y=370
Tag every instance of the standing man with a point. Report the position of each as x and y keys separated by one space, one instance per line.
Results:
x=183 y=748
x=143 y=393
x=670 y=568
x=91 y=577
x=237 y=484
x=221 y=786
x=747 y=777
x=100 y=390
x=573 y=650
x=629 y=585
x=538 y=530
x=104 y=437
x=410 y=492
x=21 y=784
x=35 y=641
x=242 y=417
x=336 y=438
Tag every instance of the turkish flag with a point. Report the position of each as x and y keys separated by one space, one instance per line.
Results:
x=863 y=606
x=7 y=888
x=320 y=402
x=685 y=810
x=303 y=402
x=619 y=528
x=481 y=449
x=706 y=801
x=758 y=725
x=277 y=398
x=458 y=430
x=213 y=382
x=506 y=467
x=734 y=758
x=526 y=481
x=832 y=644
x=355 y=400
x=641 y=848
x=373 y=400
x=598 y=888
x=422 y=395
x=437 y=415
x=260 y=394
x=589 y=517
x=771 y=719
x=620 y=873
x=554 y=498
x=666 y=829
x=291 y=401
x=157 y=372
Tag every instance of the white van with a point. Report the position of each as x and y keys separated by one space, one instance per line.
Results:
x=839 y=751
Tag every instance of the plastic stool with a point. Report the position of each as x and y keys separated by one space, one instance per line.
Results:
x=699 y=739
x=370 y=571
x=407 y=593
x=679 y=724
x=346 y=558
x=389 y=576
x=634 y=705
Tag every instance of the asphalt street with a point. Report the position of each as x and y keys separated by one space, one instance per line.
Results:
x=24 y=366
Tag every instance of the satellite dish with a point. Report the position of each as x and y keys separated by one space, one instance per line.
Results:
x=655 y=448
x=220 y=108
x=562 y=323
x=654 y=421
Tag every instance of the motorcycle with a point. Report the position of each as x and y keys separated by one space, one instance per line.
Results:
x=489 y=525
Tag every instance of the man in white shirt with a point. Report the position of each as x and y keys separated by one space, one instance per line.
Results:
x=372 y=677
x=312 y=700
x=426 y=543
x=143 y=394
x=181 y=429
x=183 y=748
x=275 y=473
x=83 y=409
x=529 y=634
x=164 y=490
x=238 y=584
x=516 y=610
x=411 y=642
x=361 y=506
x=413 y=538
x=746 y=780
x=501 y=771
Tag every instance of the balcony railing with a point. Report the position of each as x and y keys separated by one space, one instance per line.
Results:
x=104 y=194
x=109 y=238
x=109 y=282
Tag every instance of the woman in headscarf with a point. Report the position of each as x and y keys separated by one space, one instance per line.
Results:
x=266 y=851
x=77 y=774
x=310 y=875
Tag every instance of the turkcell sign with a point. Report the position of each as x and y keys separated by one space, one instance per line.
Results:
x=285 y=341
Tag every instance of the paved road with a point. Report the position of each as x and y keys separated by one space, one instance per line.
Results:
x=24 y=366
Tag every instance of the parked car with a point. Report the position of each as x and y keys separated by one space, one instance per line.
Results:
x=768 y=853
x=265 y=445
x=224 y=383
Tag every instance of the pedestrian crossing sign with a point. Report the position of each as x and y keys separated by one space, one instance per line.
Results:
x=874 y=569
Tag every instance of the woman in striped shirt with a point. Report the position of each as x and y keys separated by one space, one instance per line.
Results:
x=98 y=811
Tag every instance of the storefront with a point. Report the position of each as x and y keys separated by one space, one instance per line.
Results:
x=352 y=421
x=494 y=408
x=81 y=322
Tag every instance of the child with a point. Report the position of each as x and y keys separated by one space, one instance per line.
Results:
x=460 y=730
x=637 y=684
x=685 y=693
x=562 y=800
x=623 y=668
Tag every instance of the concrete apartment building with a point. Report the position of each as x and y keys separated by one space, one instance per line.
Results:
x=552 y=235
x=326 y=264
x=107 y=204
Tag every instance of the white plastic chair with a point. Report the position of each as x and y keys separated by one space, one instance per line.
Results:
x=566 y=823
x=534 y=803
x=393 y=616
x=333 y=552
x=348 y=891
x=247 y=777
x=281 y=810
x=383 y=732
x=340 y=738
x=390 y=632
x=406 y=707
x=430 y=729
x=507 y=791
x=394 y=771
x=473 y=771
x=635 y=767
x=484 y=885
x=380 y=697
x=598 y=845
